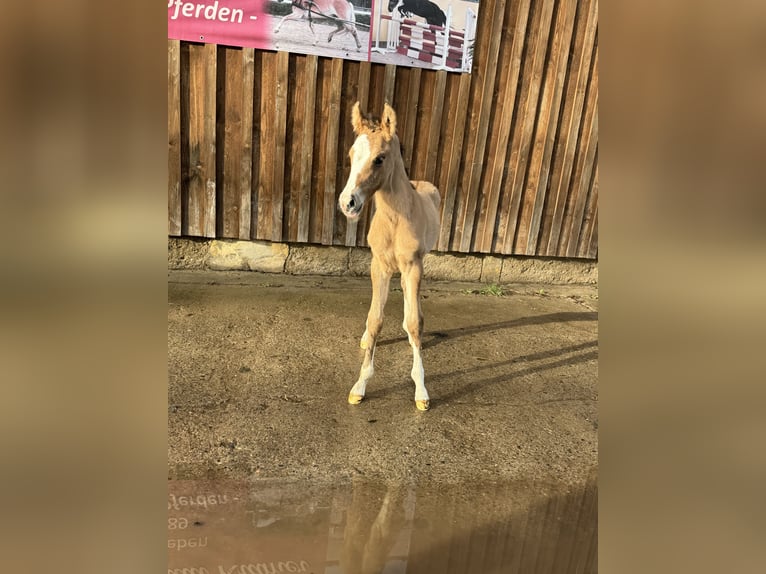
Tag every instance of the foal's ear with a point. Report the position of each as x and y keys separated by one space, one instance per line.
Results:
x=388 y=122
x=356 y=119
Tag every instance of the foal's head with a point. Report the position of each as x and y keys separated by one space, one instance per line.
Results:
x=371 y=159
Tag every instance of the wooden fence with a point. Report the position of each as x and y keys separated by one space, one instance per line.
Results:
x=258 y=140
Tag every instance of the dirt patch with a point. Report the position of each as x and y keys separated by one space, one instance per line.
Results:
x=260 y=367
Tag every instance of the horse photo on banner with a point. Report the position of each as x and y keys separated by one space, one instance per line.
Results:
x=436 y=34
x=335 y=28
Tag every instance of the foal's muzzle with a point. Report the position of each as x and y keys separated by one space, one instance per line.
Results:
x=351 y=205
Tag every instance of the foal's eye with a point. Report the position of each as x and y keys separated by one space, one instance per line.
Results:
x=379 y=160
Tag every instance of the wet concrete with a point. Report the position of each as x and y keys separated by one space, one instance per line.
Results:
x=499 y=476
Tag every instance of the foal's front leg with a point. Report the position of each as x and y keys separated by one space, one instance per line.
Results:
x=380 y=283
x=413 y=324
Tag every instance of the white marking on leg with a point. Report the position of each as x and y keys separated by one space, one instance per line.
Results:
x=418 y=375
x=365 y=374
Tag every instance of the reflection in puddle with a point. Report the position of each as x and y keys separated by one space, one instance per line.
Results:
x=263 y=527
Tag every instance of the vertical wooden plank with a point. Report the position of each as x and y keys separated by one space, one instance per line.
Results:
x=201 y=140
x=580 y=193
x=545 y=131
x=537 y=44
x=453 y=143
x=292 y=147
x=589 y=217
x=586 y=22
x=388 y=85
x=234 y=134
x=418 y=155
x=508 y=81
x=174 y=137
x=256 y=175
x=480 y=106
x=320 y=145
x=399 y=102
x=280 y=118
x=246 y=133
x=375 y=95
x=364 y=84
x=220 y=137
x=267 y=149
x=581 y=175
x=184 y=104
x=430 y=109
x=274 y=86
x=331 y=150
x=307 y=99
x=592 y=252
x=408 y=109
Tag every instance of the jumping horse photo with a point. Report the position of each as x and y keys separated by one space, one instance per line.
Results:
x=427 y=10
x=404 y=228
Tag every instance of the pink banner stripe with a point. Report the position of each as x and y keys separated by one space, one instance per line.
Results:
x=228 y=22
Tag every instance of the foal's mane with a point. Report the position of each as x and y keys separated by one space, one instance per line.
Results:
x=370 y=123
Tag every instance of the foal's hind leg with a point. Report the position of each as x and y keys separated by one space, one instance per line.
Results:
x=380 y=283
x=413 y=324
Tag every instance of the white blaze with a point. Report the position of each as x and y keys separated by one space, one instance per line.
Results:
x=360 y=158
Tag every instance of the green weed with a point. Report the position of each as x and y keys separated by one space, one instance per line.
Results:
x=493 y=290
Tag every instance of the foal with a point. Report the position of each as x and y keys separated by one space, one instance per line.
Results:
x=405 y=227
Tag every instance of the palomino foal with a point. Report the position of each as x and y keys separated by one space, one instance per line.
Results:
x=405 y=227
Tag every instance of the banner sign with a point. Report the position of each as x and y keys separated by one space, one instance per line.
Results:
x=438 y=34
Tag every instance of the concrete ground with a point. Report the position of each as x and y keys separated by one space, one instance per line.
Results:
x=260 y=366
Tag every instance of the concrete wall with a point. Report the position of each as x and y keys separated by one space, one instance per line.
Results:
x=301 y=259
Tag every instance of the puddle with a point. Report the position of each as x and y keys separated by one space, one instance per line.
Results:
x=265 y=527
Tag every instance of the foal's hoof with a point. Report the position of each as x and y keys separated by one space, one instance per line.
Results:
x=354 y=399
x=423 y=405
